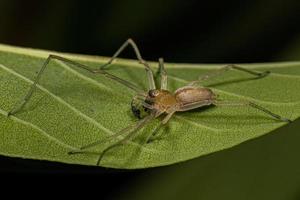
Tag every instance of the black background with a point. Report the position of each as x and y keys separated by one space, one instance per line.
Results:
x=180 y=31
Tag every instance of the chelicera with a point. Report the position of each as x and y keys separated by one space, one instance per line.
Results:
x=155 y=102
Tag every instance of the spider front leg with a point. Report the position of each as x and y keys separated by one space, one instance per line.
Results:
x=24 y=101
x=162 y=74
x=149 y=72
x=225 y=69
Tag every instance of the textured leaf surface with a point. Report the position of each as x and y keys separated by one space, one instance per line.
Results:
x=72 y=108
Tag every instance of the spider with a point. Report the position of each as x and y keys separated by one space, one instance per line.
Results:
x=156 y=101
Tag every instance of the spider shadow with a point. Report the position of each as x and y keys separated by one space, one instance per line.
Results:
x=197 y=110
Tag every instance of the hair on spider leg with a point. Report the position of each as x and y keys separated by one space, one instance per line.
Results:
x=149 y=105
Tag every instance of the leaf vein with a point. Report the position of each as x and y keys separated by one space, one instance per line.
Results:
x=50 y=137
x=60 y=100
x=198 y=124
x=100 y=85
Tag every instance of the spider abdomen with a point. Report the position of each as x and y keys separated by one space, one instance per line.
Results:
x=189 y=94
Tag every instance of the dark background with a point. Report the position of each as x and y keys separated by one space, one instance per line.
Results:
x=232 y=31
x=180 y=31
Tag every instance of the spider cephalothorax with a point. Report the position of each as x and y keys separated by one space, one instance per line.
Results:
x=156 y=99
x=165 y=101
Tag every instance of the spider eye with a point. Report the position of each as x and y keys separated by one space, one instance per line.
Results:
x=153 y=93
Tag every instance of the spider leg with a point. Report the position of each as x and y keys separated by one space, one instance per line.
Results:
x=131 y=130
x=26 y=98
x=98 y=142
x=225 y=69
x=139 y=57
x=253 y=105
x=130 y=135
x=165 y=120
x=185 y=107
x=161 y=72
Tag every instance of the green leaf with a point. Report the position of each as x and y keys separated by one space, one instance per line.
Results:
x=72 y=107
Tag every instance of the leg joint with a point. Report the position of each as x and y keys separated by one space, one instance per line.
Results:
x=53 y=56
x=129 y=40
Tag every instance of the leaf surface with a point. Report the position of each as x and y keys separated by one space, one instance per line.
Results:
x=72 y=107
